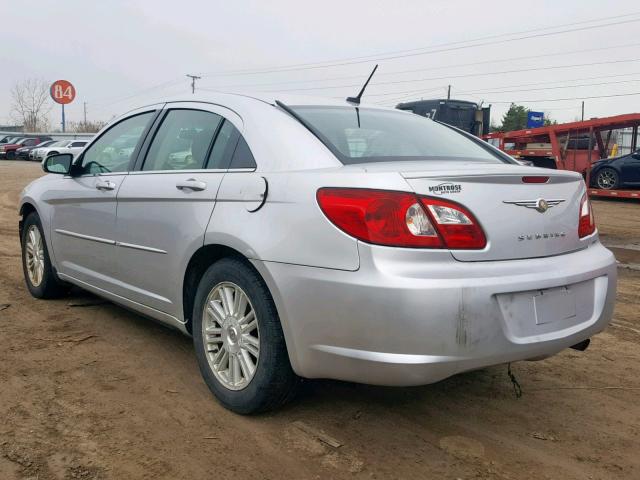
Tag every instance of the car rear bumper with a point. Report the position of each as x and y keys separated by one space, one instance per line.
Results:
x=410 y=317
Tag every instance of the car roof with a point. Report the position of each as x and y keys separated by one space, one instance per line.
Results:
x=246 y=100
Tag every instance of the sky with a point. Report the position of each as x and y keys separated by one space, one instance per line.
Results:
x=546 y=55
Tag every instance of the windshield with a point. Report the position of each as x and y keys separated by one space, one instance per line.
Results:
x=361 y=135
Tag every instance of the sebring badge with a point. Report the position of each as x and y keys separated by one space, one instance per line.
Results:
x=541 y=205
x=541 y=236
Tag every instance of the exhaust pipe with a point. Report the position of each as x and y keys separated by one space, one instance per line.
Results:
x=582 y=346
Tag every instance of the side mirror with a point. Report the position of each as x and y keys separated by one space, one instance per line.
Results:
x=60 y=163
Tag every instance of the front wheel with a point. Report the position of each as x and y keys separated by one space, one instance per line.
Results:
x=238 y=339
x=39 y=274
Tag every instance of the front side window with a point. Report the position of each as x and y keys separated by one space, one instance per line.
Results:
x=182 y=141
x=112 y=152
x=361 y=135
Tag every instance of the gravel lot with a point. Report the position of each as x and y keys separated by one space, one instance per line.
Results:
x=99 y=392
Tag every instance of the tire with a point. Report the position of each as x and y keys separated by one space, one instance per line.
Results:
x=11 y=155
x=272 y=381
x=607 y=179
x=48 y=285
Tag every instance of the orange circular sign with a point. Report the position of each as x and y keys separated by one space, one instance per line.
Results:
x=62 y=92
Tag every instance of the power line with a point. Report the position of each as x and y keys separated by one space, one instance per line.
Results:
x=395 y=82
x=565 y=99
x=499 y=89
x=430 y=69
x=533 y=89
x=173 y=82
x=106 y=103
x=553 y=88
x=421 y=92
x=414 y=52
x=406 y=93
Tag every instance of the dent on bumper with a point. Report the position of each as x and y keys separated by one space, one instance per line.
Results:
x=408 y=318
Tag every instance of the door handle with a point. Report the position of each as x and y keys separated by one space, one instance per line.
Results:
x=191 y=184
x=105 y=185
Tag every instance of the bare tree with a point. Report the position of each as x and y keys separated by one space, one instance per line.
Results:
x=82 y=127
x=31 y=104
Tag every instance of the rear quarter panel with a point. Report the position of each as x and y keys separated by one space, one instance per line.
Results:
x=290 y=227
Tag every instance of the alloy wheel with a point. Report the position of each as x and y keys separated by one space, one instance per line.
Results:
x=231 y=335
x=34 y=255
x=606 y=179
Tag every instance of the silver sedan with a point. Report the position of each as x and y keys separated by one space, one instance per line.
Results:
x=320 y=239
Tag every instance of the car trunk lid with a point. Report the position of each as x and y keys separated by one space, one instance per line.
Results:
x=520 y=220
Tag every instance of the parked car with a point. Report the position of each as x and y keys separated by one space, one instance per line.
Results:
x=10 y=140
x=63 y=146
x=6 y=138
x=320 y=239
x=617 y=172
x=8 y=150
x=23 y=152
x=36 y=153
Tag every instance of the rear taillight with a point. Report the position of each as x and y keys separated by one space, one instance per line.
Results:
x=401 y=219
x=587 y=224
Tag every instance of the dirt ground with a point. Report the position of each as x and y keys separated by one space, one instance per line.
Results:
x=97 y=392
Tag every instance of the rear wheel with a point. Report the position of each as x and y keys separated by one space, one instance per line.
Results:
x=11 y=155
x=39 y=274
x=239 y=341
x=607 y=179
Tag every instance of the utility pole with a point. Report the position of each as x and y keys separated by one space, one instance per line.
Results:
x=193 y=82
x=583 y=110
x=85 y=112
x=449 y=93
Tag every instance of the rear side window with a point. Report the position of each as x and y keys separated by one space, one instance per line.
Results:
x=230 y=150
x=222 y=150
x=182 y=141
x=242 y=157
x=78 y=144
x=361 y=135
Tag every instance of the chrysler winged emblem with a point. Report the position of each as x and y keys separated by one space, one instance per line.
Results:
x=541 y=205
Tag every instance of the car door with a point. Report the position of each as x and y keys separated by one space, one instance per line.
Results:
x=165 y=205
x=84 y=206
x=631 y=169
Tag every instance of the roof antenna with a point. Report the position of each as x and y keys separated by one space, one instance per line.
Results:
x=356 y=100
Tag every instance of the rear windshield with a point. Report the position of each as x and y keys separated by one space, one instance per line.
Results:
x=362 y=135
